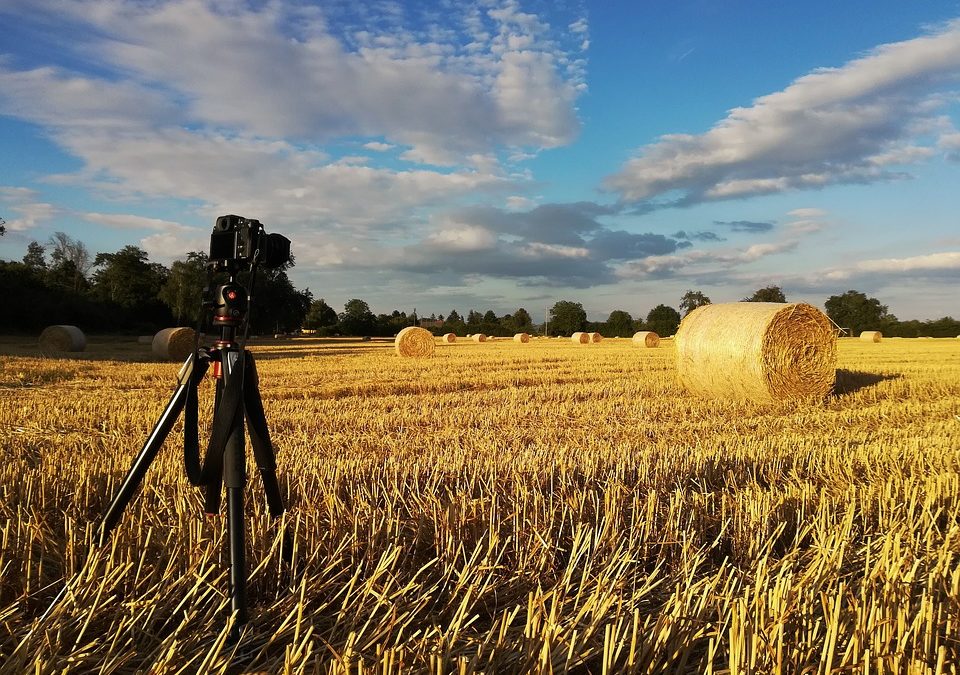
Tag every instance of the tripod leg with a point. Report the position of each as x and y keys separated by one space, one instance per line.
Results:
x=235 y=478
x=260 y=438
x=185 y=380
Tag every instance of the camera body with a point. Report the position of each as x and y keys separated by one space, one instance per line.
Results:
x=237 y=241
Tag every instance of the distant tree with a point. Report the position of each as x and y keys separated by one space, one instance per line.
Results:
x=35 y=258
x=3 y=226
x=320 y=315
x=620 y=323
x=663 y=320
x=356 y=318
x=127 y=278
x=70 y=261
x=454 y=324
x=693 y=299
x=474 y=318
x=522 y=320
x=767 y=294
x=567 y=317
x=855 y=311
x=183 y=290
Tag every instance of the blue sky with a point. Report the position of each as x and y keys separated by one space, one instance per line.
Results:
x=504 y=153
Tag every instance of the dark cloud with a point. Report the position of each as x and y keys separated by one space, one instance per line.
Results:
x=697 y=236
x=745 y=226
x=552 y=244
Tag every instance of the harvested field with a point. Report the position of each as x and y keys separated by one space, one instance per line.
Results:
x=503 y=508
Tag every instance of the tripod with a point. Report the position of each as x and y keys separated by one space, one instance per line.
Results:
x=237 y=389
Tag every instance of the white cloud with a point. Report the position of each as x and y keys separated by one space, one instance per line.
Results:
x=536 y=249
x=287 y=71
x=834 y=125
x=807 y=213
x=377 y=146
x=462 y=237
x=25 y=211
x=125 y=221
x=947 y=261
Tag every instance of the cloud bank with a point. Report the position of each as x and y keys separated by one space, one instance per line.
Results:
x=858 y=123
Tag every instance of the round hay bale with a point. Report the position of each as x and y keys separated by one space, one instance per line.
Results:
x=646 y=338
x=449 y=337
x=580 y=338
x=761 y=351
x=414 y=342
x=478 y=337
x=366 y=338
x=522 y=337
x=173 y=344
x=62 y=339
x=595 y=337
x=871 y=336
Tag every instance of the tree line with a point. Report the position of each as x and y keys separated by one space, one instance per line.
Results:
x=60 y=281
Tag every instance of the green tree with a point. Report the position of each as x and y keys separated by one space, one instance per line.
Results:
x=567 y=317
x=620 y=323
x=853 y=310
x=3 y=228
x=767 y=294
x=693 y=299
x=183 y=290
x=277 y=306
x=128 y=279
x=474 y=319
x=320 y=315
x=522 y=320
x=356 y=318
x=663 y=320
x=35 y=258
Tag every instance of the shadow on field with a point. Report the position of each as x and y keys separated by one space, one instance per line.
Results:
x=850 y=381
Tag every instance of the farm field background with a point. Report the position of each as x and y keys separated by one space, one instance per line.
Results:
x=500 y=507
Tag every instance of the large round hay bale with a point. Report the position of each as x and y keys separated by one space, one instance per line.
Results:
x=449 y=337
x=62 y=339
x=595 y=337
x=871 y=336
x=478 y=337
x=646 y=338
x=522 y=337
x=762 y=351
x=174 y=344
x=580 y=338
x=414 y=342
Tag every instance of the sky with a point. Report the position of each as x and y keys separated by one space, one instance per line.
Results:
x=454 y=154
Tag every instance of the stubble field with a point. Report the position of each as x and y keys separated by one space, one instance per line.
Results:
x=499 y=508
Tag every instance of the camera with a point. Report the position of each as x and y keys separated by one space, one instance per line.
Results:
x=240 y=241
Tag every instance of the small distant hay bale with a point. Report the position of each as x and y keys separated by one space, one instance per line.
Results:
x=646 y=338
x=414 y=342
x=62 y=339
x=478 y=337
x=761 y=351
x=173 y=344
x=595 y=337
x=871 y=336
x=522 y=337
x=580 y=338
x=449 y=337
x=365 y=338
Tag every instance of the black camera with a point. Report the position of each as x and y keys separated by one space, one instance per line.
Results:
x=242 y=241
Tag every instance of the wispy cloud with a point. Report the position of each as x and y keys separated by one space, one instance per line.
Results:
x=854 y=124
